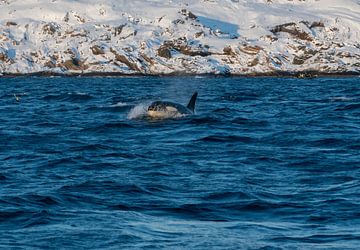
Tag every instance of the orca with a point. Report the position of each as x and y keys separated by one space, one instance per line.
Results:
x=165 y=109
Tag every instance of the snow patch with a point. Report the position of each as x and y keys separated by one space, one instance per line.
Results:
x=217 y=36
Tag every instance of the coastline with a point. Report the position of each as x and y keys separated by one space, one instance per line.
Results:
x=118 y=39
x=278 y=74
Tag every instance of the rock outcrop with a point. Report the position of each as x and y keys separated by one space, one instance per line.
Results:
x=199 y=37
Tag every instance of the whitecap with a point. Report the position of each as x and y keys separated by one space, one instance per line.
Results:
x=340 y=99
x=119 y=104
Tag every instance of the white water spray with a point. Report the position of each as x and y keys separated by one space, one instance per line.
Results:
x=139 y=111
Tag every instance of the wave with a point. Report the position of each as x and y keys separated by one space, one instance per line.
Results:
x=70 y=96
x=90 y=147
x=354 y=147
x=329 y=142
x=226 y=138
x=250 y=122
x=43 y=200
x=105 y=187
x=240 y=96
x=119 y=104
x=277 y=164
x=227 y=196
x=30 y=201
x=225 y=111
x=24 y=218
x=319 y=239
x=103 y=128
x=341 y=99
x=6 y=216
x=205 y=120
x=349 y=107
x=117 y=107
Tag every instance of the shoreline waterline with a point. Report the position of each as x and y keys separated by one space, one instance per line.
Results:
x=277 y=74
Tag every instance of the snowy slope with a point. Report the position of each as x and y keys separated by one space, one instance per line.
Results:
x=178 y=36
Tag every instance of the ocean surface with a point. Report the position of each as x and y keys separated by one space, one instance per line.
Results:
x=265 y=163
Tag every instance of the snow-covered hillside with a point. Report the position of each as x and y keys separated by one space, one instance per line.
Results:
x=179 y=36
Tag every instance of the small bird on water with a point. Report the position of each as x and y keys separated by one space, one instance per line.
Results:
x=17 y=98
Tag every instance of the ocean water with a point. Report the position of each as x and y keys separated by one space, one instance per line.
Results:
x=265 y=163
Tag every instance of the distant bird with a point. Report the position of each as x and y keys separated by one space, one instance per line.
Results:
x=17 y=98
x=163 y=109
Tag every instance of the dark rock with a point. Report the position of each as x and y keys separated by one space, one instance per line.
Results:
x=292 y=29
x=164 y=51
x=50 y=64
x=228 y=51
x=3 y=57
x=198 y=34
x=182 y=46
x=298 y=60
x=253 y=62
x=123 y=59
x=50 y=28
x=147 y=59
x=317 y=24
x=187 y=50
x=10 y=23
x=188 y=14
x=191 y=15
x=177 y=21
x=118 y=29
x=97 y=50
x=250 y=50
x=74 y=64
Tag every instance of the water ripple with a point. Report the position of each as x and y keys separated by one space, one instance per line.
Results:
x=264 y=163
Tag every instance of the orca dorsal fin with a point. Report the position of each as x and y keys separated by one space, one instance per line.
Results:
x=192 y=101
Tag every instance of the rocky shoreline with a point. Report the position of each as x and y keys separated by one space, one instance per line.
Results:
x=218 y=37
x=300 y=75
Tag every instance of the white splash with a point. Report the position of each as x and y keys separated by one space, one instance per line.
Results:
x=139 y=111
x=119 y=104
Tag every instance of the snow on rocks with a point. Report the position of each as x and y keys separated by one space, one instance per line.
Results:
x=177 y=36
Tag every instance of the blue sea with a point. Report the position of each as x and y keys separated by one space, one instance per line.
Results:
x=264 y=163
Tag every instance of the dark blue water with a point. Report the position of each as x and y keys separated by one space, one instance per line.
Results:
x=265 y=163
